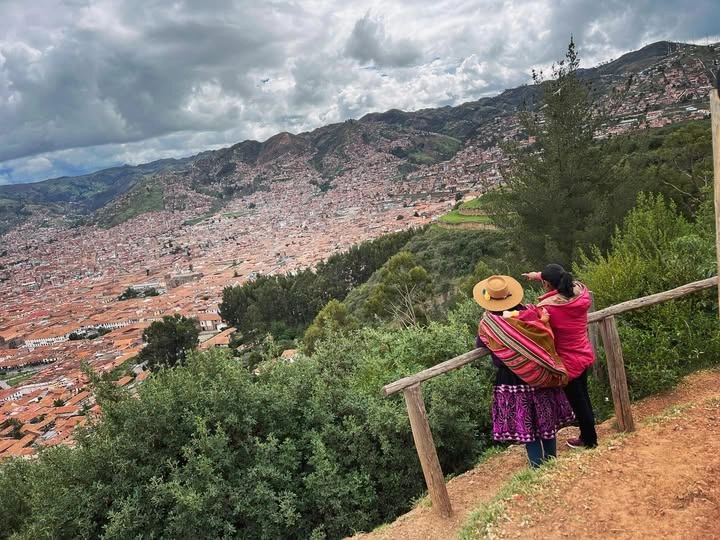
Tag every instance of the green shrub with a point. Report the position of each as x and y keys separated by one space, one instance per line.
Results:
x=656 y=250
x=303 y=450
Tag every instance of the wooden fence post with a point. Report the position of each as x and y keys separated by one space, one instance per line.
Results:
x=715 y=121
x=616 y=372
x=426 y=450
x=594 y=335
x=592 y=329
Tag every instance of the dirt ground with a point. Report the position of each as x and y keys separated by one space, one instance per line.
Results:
x=662 y=481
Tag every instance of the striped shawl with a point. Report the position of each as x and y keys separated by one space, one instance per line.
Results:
x=525 y=344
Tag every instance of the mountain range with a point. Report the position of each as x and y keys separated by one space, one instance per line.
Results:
x=410 y=139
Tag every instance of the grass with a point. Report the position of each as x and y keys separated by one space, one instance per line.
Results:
x=194 y=221
x=380 y=528
x=525 y=484
x=483 y=520
x=672 y=413
x=432 y=149
x=474 y=203
x=489 y=453
x=455 y=217
x=141 y=200
x=422 y=501
x=713 y=402
x=421 y=158
x=19 y=378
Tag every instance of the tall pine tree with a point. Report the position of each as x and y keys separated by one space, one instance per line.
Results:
x=554 y=189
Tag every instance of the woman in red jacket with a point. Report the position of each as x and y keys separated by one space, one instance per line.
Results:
x=568 y=301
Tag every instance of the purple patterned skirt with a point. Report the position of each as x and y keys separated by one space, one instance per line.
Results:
x=523 y=413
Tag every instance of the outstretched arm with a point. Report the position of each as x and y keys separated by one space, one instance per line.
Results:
x=532 y=276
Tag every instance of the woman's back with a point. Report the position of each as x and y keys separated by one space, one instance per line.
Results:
x=568 y=319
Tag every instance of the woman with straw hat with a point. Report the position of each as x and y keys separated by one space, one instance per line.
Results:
x=532 y=409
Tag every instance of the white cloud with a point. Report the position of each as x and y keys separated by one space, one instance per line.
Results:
x=35 y=165
x=84 y=85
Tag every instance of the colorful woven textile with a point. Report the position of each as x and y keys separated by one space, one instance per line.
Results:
x=524 y=343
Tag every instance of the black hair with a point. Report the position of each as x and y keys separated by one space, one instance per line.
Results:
x=561 y=280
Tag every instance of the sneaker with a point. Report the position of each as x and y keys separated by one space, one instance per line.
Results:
x=576 y=443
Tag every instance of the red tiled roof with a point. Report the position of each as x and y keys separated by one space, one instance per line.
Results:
x=69 y=409
x=6 y=443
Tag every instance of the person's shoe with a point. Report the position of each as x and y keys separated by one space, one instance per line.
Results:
x=579 y=443
x=576 y=443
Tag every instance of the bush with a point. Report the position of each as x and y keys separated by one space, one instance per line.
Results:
x=657 y=249
x=303 y=450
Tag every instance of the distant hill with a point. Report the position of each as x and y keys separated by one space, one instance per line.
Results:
x=636 y=61
x=75 y=196
x=415 y=138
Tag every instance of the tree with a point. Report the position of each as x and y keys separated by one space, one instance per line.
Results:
x=128 y=293
x=287 y=304
x=402 y=293
x=211 y=450
x=554 y=189
x=685 y=166
x=168 y=341
x=332 y=318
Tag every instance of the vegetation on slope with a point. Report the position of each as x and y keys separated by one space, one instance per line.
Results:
x=284 y=305
x=144 y=198
x=568 y=191
x=308 y=450
x=454 y=217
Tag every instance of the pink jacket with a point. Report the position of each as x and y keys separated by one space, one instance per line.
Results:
x=568 y=319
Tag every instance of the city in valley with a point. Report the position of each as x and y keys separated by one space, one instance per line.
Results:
x=60 y=286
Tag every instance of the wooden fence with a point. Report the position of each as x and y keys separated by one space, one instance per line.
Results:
x=605 y=318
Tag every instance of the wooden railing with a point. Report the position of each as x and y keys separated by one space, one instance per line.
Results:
x=605 y=318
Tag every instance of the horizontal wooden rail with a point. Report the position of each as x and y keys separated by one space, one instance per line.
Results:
x=652 y=299
x=434 y=371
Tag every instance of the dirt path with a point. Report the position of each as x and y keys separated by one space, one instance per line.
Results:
x=663 y=481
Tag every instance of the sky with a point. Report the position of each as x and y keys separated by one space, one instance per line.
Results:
x=90 y=84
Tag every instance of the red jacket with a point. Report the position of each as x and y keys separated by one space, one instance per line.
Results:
x=568 y=319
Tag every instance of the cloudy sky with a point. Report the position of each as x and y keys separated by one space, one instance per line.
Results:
x=88 y=84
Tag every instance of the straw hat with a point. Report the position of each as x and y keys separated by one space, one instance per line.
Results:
x=498 y=293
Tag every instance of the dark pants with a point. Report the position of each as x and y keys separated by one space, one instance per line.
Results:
x=540 y=451
x=576 y=392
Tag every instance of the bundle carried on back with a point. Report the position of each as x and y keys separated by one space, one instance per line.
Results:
x=524 y=342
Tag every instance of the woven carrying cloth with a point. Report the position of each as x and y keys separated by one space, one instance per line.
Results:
x=524 y=343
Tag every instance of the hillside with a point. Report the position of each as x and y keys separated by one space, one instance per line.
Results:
x=392 y=144
x=659 y=481
x=78 y=195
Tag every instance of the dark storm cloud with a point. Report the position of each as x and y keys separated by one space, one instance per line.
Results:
x=130 y=78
